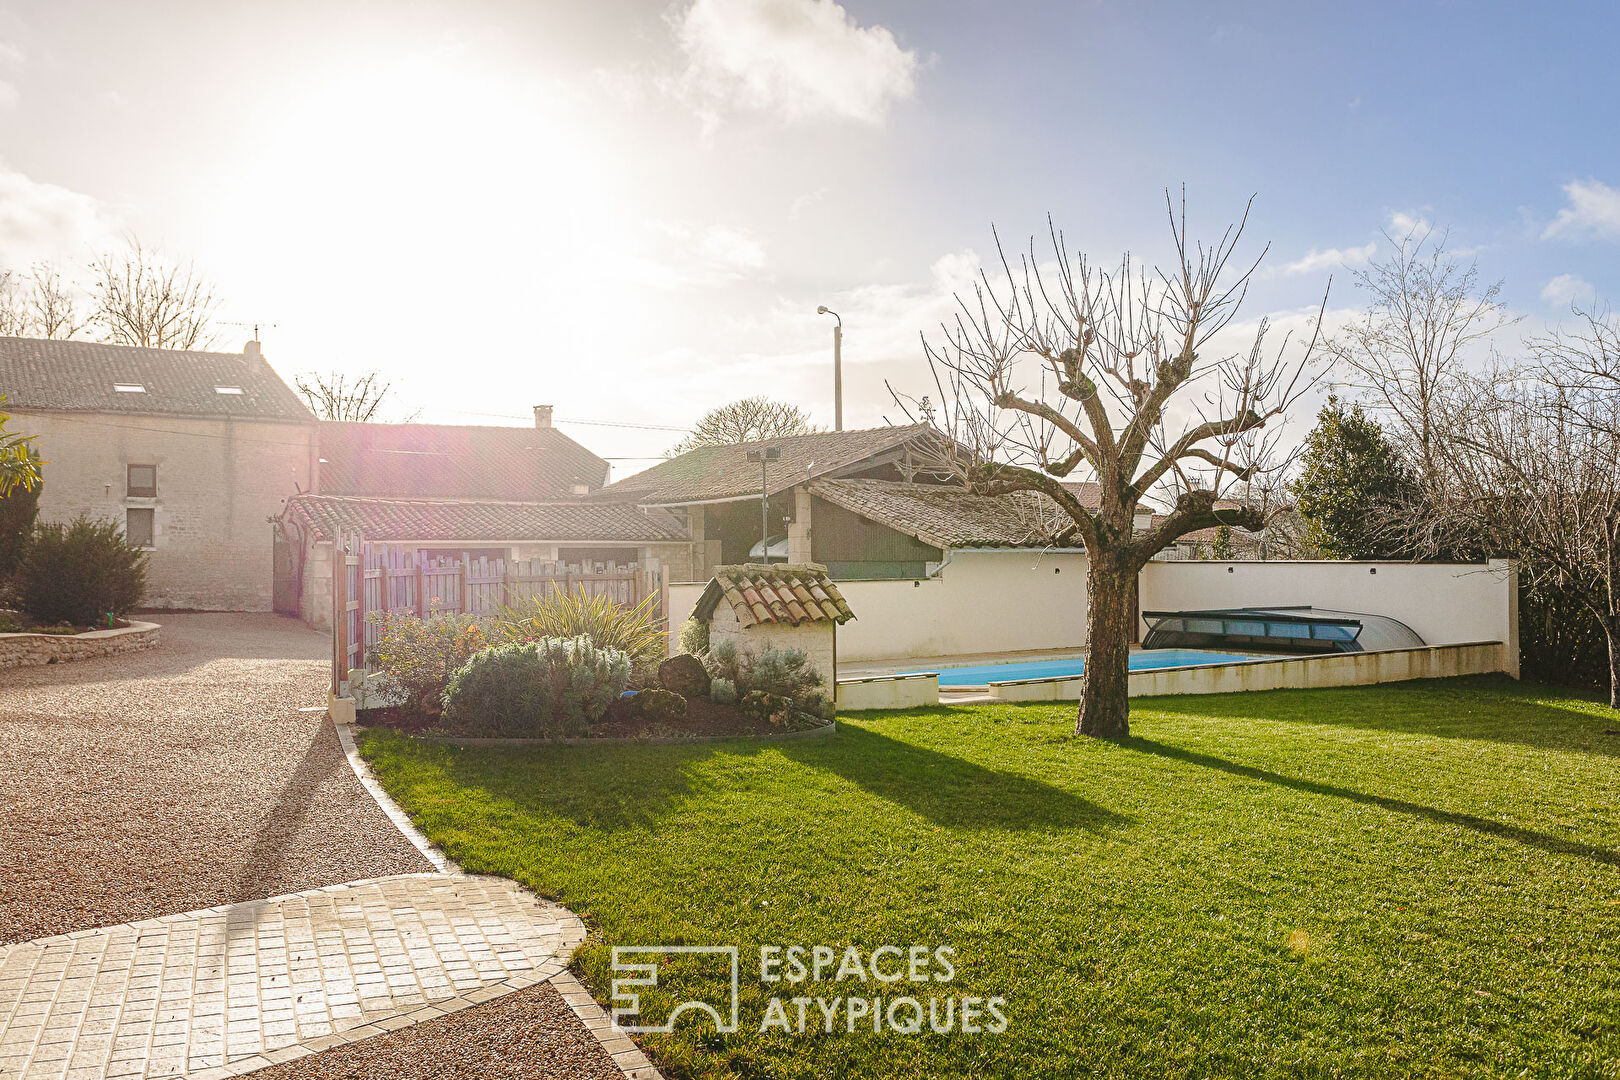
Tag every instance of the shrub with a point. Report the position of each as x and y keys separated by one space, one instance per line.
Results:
x=723 y=692
x=658 y=705
x=420 y=655
x=79 y=572
x=18 y=512
x=725 y=661
x=547 y=688
x=695 y=637
x=783 y=672
x=634 y=631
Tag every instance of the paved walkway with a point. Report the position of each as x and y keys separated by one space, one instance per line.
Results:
x=230 y=989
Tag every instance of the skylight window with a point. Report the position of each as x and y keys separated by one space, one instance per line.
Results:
x=227 y=389
x=129 y=388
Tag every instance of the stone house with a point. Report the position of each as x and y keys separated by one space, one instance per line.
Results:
x=191 y=452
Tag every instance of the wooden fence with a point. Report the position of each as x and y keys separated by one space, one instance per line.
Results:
x=374 y=579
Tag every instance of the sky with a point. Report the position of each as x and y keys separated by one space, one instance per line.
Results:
x=631 y=209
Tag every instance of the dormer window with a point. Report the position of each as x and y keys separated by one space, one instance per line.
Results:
x=129 y=388
x=227 y=389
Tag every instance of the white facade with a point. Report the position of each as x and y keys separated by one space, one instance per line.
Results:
x=218 y=483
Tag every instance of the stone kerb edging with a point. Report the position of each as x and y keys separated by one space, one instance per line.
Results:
x=776 y=736
x=31 y=650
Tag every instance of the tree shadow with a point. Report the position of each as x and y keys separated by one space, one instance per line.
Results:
x=948 y=790
x=1488 y=708
x=629 y=786
x=606 y=788
x=1483 y=826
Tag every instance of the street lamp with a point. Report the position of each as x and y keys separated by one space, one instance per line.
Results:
x=838 y=366
x=764 y=455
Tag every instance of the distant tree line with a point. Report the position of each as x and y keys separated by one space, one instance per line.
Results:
x=1447 y=454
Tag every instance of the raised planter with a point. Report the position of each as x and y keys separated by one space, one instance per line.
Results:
x=31 y=650
x=780 y=736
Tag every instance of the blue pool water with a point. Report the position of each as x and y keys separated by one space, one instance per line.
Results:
x=1142 y=660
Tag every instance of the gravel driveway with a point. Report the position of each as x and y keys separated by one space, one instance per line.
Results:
x=177 y=778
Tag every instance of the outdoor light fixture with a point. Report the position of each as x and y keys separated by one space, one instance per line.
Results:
x=763 y=456
x=838 y=366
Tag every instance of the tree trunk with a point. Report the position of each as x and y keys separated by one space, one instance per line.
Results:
x=1104 y=696
x=1611 y=629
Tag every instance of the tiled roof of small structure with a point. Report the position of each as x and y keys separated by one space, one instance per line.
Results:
x=775 y=593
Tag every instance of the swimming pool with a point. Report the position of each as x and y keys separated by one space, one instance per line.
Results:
x=1141 y=660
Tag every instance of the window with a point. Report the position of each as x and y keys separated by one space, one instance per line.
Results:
x=227 y=389
x=142 y=482
x=138 y=526
x=129 y=388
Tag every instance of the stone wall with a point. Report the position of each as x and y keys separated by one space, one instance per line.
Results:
x=218 y=484
x=814 y=639
x=30 y=650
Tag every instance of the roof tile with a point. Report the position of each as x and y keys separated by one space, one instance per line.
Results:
x=468 y=521
x=775 y=593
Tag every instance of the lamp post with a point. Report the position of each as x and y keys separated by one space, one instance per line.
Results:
x=763 y=455
x=838 y=366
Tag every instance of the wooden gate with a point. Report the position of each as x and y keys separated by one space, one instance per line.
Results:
x=348 y=612
x=371 y=580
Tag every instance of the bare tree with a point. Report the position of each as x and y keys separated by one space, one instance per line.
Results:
x=748 y=420
x=141 y=300
x=1534 y=472
x=336 y=396
x=38 y=305
x=1063 y=366
x=52 y=306
x=1426 y=309
x=13 y=313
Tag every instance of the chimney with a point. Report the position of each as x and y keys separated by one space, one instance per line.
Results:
x=251 y=351
x=542 y=416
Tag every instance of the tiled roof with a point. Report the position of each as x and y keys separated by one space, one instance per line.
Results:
x=778 y=593
x=715 y=473
x=480 y=522
x=950 y=517
x=445 y=461
x=1089 y=492
x=82 y=376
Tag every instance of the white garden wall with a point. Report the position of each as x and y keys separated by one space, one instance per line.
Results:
x=979 y=602
x=1446 y=604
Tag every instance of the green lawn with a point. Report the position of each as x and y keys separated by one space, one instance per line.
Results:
x=1420 y=879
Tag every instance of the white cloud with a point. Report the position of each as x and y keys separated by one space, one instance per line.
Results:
x=682 y=256
x=1331 y=259
x=1405 y=223
x=42 y=221
x=1567 y=289
x=796 y=58
x=1593 y=210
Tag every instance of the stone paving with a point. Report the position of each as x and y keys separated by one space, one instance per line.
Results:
x=221 y=992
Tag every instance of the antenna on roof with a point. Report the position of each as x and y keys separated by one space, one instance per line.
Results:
x=254 y=325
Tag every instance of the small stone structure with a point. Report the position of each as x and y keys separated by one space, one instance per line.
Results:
x=29 y=650
x=784 y=606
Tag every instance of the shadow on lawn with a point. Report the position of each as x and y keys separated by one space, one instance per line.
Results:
x=1485 y=826
x=631 y=786
x=1490 y=708
x=948 y=790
